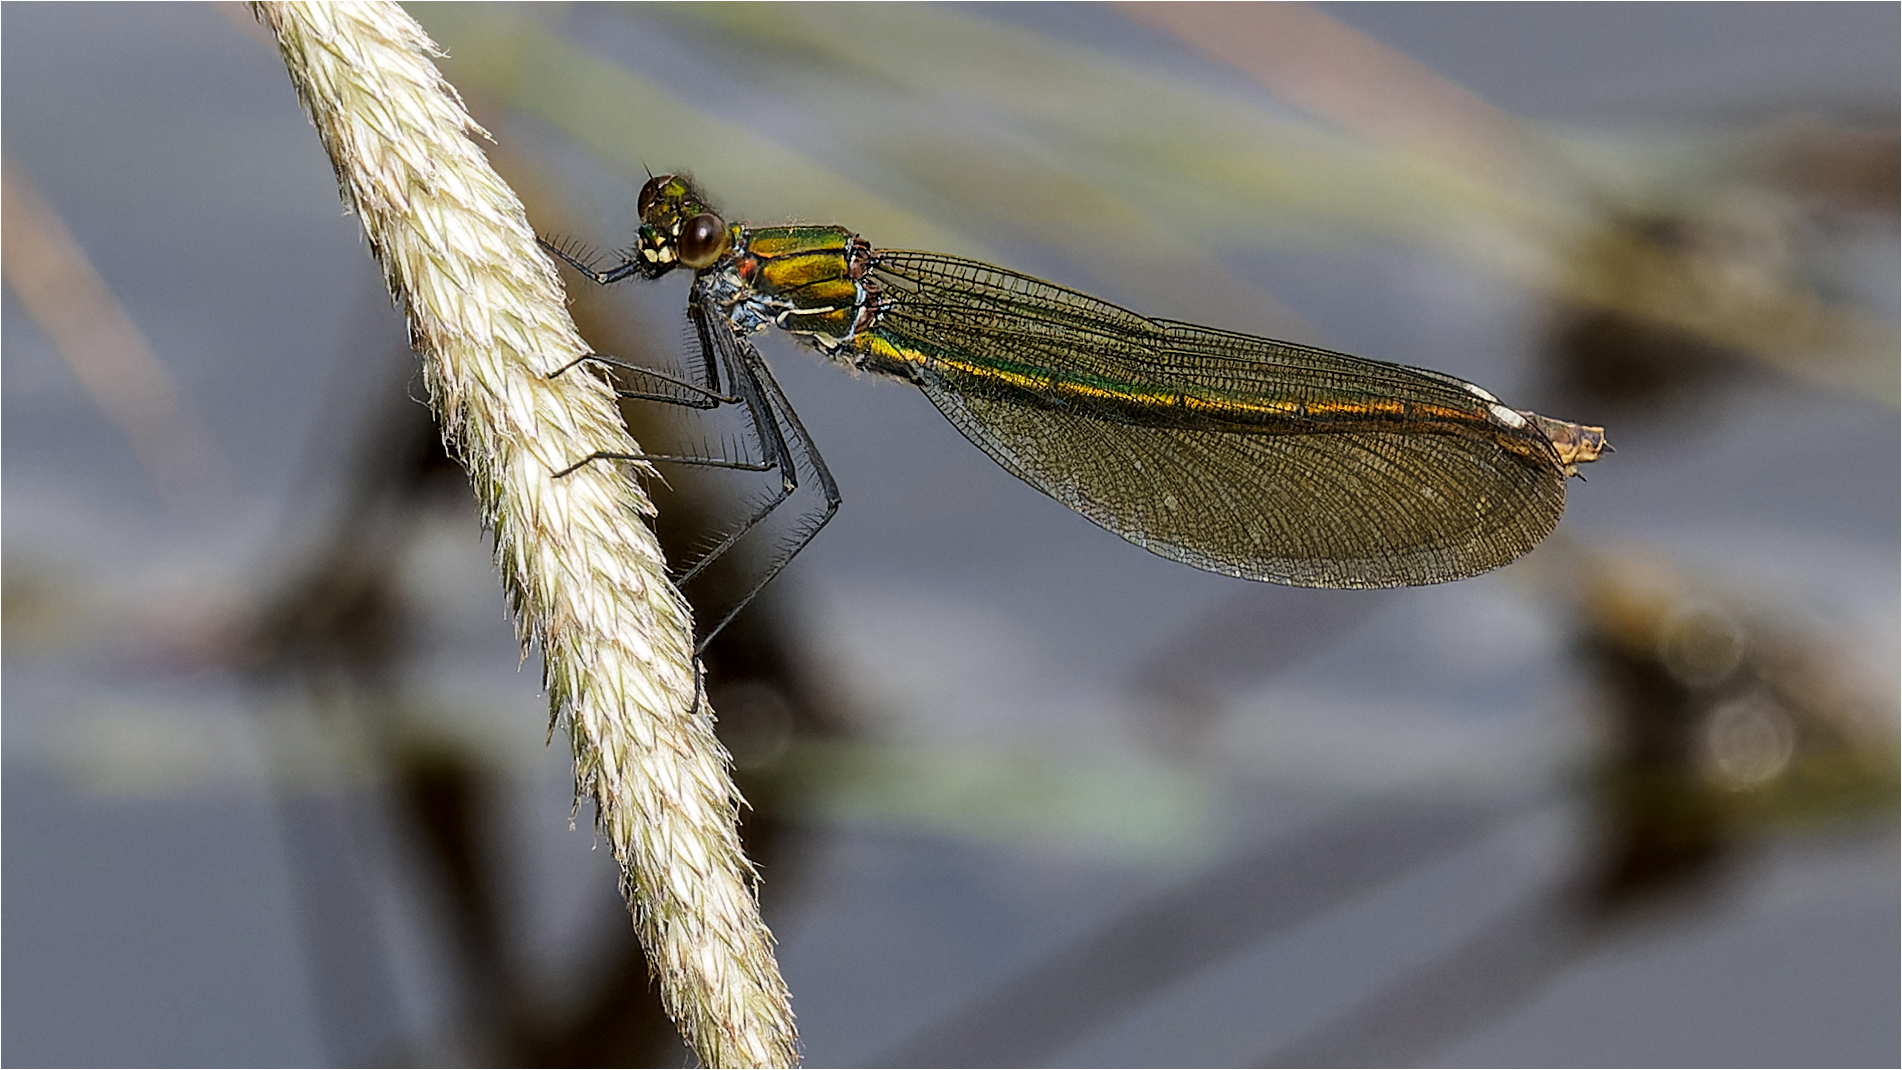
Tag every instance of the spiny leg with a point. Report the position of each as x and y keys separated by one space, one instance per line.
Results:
x=768 y=409
x=670 y=458
x=777 y=403
x=703 y=397
x=627 y=268
x=733 y=352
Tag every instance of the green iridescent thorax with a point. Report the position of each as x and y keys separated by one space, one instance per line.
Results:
x=813 y=278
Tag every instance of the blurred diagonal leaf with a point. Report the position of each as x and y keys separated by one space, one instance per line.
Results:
x=633 y=123
x=1032 y=138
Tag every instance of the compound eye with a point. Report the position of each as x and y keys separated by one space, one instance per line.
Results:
x=703 y=240
x=651 y=193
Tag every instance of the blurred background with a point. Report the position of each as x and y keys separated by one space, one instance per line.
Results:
x=276 y=788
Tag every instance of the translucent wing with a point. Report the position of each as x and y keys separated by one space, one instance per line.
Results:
x=1375 y=496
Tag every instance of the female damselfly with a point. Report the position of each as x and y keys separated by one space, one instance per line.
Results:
x=1240 y=455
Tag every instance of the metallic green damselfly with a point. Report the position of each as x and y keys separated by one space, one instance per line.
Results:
x=1244 y=456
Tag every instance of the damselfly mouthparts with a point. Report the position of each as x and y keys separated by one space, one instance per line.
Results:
x=1244 y=456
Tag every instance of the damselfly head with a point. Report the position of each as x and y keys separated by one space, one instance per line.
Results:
x=677 y=227
x=668 y=199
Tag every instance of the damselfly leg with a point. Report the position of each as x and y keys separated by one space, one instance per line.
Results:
x=732 y=373
x=781 y=436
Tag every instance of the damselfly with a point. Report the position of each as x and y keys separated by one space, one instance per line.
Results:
x=1239 y=455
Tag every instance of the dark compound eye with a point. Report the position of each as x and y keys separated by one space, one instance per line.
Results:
x=703 y=240
x=651 y=193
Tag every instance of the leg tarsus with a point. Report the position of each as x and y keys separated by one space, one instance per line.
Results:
x=669 y=458
x=627 y=267
x=710 y=397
